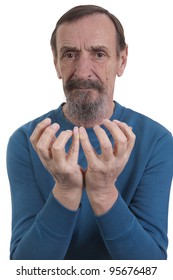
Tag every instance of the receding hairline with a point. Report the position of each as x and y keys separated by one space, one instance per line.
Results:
x=82 y=11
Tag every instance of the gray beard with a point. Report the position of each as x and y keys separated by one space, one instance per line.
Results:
x=80 y=106
x=83 y=106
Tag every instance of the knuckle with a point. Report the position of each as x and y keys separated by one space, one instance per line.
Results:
x=133 y=137
x=56 y=148
x=48 y=131
x=123 y=141
x=107 y=148
x=72 y=150
x=32 y=139
x=40 y=148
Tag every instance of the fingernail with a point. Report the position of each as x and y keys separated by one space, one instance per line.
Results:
x=82 y=130
x=76 y=130
x=55 y=125
x=47 y=121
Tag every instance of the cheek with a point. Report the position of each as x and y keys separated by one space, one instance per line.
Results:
x=58 y=69
x=65 y=72
x=110 y=76
x=110 y=69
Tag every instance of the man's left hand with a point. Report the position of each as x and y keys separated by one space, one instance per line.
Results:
x=104 y=169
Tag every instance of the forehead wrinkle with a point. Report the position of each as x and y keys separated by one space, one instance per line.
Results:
x=80 y=26
x=71 y=47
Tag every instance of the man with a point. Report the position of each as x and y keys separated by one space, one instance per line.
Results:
x=90 y=180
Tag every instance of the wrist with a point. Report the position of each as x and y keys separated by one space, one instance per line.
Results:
x=102 y=202
x=69 y=198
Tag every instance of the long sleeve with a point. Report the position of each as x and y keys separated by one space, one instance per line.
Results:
x=139 y=230
x=134 y=228
x=42 y=228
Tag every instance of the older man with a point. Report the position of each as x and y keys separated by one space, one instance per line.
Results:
x=91 y=179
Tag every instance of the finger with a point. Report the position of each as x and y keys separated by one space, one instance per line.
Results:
x=46 y=140
x=120 y=139
x=35 y=136
x=105 y=144
x=58 y=147
x=86 y=145
x=128 y=132
x=73 y=152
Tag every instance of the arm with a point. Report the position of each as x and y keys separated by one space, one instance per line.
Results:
x=41 y=229
x=139 y=230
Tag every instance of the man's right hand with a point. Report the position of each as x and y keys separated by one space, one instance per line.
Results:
x=63 y=166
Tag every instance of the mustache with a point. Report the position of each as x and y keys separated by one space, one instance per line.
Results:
x=84 y=84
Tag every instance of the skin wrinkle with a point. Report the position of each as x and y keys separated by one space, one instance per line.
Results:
x=88 y=65
x=73 y=161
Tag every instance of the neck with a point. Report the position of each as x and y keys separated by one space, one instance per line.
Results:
x=87 y=120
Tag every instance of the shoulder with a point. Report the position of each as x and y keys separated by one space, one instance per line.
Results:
x=144 y=125
x=150 y=134
x=25 y=130
x=19 y=141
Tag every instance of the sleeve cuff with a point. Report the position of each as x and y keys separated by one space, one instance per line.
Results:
x=58 y=219
x=117 y=221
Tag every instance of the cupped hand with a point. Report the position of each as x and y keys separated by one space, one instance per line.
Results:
x=104 y=169
x=68 y=175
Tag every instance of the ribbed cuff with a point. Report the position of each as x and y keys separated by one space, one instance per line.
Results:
x=117 y=221
x=57 y=218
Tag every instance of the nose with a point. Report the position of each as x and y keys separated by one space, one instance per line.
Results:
x=83 y=68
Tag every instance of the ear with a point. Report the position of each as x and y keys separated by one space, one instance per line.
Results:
x=122 y=61
x=56 y=66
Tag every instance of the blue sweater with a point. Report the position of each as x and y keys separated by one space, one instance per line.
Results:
x=134 y=228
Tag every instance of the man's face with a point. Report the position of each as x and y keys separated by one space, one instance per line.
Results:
x=87 y=59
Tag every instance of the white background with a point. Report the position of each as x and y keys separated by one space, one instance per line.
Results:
x=29 y=86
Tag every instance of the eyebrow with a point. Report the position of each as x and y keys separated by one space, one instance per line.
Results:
x=68 y=48
x=99 y=48
x=91 y=48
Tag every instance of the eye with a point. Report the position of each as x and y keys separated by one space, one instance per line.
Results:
x=69 y=55
x=100 y=54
